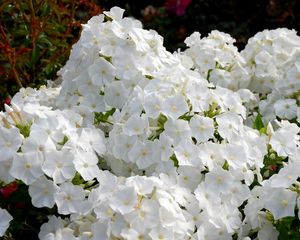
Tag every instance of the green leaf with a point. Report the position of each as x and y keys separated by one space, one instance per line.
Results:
x=208 y=74
x=108 y=19
x=160 y=124
x=175 y=160
x=45 y=11
x=288 y=228
x=213 y=110
x=259 y=124
x=49 y=70
x=225 y=165
x=103 y=117
x=149 y=77
x=186 y=117
x=24 y=129
x=77 y=180
x=35 y=55
x=43 y=40
x=63 y=142
x=107 y=58
x=161 y=121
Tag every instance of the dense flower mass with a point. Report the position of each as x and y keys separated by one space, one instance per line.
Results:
x=140 y=143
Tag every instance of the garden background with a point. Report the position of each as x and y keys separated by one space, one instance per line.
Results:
x=36 y=35
x=36 y=38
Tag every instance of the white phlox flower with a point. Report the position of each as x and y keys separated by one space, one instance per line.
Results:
x=136 y=142
x=5 y=220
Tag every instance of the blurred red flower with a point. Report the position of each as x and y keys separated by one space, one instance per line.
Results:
x=9 y=189
x=177 y=6
x=7 y=100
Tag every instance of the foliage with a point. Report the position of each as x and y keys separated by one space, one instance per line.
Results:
x=241 y=19
x=36 y=35
x=27 y=219
x=35 y=39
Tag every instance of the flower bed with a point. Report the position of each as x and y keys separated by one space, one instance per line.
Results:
x=140 y=143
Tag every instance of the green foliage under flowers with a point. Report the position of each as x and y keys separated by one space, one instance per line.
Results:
x=103 y=117
x=27 y=219
x=36 y=38
x=24 y=129
x=288 y=227
x=258 y=124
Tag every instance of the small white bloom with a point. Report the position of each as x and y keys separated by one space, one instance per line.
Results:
x=187 y=153
x=175 y=106
x=38 y=141
x=145 y=216
x=100 y=230
x=86 y=164
x=189 y=177
x=42 y=192
x=228 y=124
x=143 y=185
x=286 y=108
x=59 y=165
x=281 y=202
x=5 y=175
x=49 y=228
x=235 y=155
x=153 y=105
x=10 y=142
x=164 y=147
x=267 y=232
x=5 y=218
x=162 y=233
x=202 y=128
x=143 y=154
x=136 y=125
x=101 y=72
x=124 y=200
x=286 y=176
x=282 y=142
x=115 y=13
x=92 y=137
x=69 y=198
x=116 y=94
x=121 y=145
x=219 y=180
x=177 y=129
x=27 y=166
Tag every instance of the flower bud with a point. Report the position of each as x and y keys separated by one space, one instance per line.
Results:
x=17 y=111
x=15 y=107
x=8 y=109
x=11 y=113
x=4 y=120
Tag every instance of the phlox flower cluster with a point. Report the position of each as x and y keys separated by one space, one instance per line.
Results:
x=274 y=57
x=140 y=143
